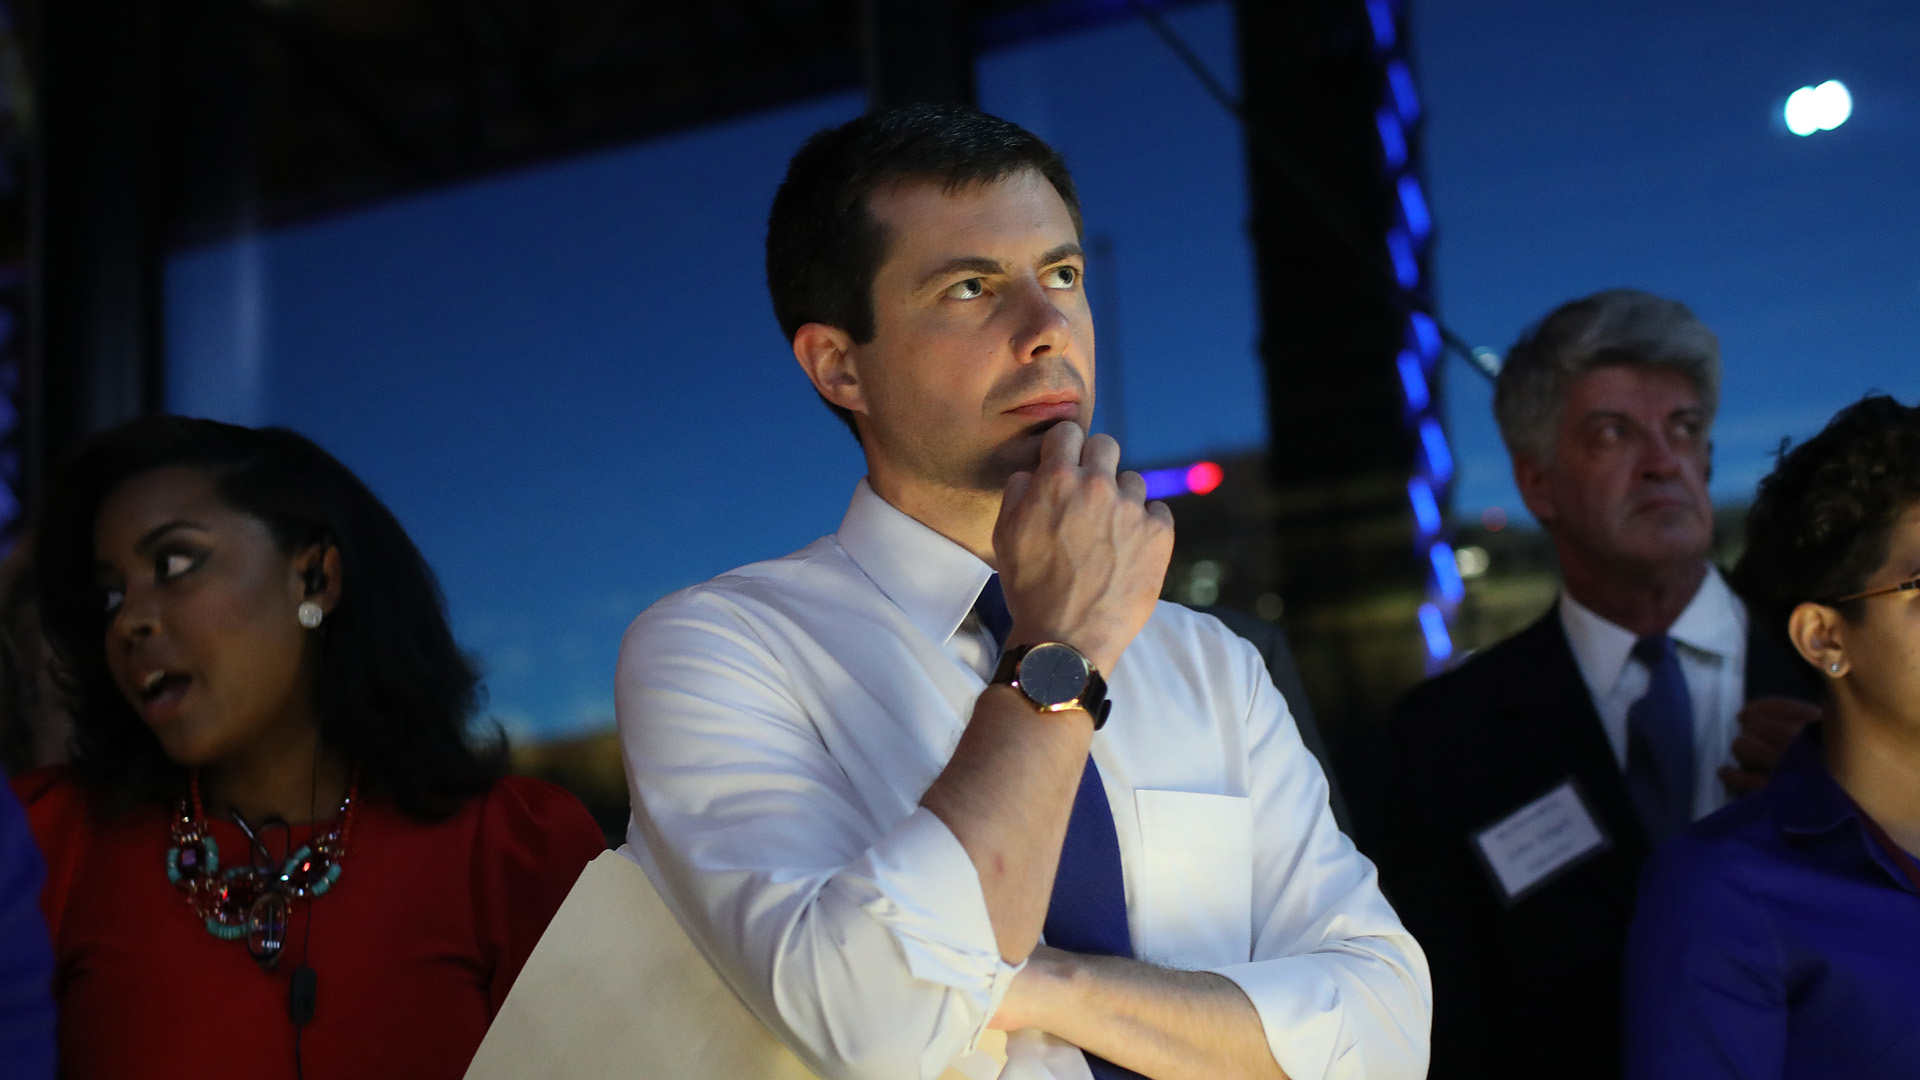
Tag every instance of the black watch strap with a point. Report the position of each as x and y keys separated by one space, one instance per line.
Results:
x=1092 y=696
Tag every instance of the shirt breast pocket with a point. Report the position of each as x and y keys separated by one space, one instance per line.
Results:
x=1194 y=891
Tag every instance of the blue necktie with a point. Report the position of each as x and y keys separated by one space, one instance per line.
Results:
x=1088 y=910
x=1660 y=741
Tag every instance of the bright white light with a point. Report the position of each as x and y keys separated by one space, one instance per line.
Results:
x=1818 y=108
x=1473 y=561
x=1836 y=103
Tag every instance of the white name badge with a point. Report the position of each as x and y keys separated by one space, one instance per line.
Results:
x=1538 y=841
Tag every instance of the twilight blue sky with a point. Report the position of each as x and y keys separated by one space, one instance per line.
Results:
x=1575 y=145
x=568 y=383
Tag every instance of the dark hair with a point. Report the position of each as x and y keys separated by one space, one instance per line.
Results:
x=20 y=653
x=393 y=692
x=1823 y=519
x=823 y=246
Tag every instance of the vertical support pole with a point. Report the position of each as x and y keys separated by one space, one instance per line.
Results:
x=1340 y=246
x=94 y=358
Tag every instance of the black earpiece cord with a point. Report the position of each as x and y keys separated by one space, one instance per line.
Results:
x=305 y=987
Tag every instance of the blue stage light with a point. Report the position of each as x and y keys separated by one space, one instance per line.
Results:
x=1406 y=100
x=1414 y=206
x=1393 y=139
x=1426 y=509
x=1446 y=572
x=1380 y=14
x=1427 y=333
x=1200 y=478
x=1413 y=379
x=1434 y=626
x=1406 y=268
x=1434 y=442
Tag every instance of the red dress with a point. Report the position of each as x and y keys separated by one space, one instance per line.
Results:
x=414 y=947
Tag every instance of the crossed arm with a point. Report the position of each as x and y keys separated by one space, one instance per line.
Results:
x=885 y=954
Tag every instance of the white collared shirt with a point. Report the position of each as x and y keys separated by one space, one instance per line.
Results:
x=1711 y=639
x=780 y=724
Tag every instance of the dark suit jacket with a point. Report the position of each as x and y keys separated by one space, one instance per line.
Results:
x=1527 y=989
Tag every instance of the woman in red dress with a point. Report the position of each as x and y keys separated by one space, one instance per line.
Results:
x=276 y=852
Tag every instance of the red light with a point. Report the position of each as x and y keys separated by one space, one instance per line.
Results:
x=1493 y=519
x=1204 y=477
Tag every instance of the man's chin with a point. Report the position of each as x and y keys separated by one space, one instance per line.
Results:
x=1018 y=454
x=1669 y=543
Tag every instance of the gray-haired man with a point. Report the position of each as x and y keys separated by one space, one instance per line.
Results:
x=1520 y=793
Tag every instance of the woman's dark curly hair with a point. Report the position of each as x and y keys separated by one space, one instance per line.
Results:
x=1823 y=520
x=392 y=689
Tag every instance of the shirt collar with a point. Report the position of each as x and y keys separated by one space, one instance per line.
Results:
x=1713 y=622
x=1808 y=798
x=1808 y=801
x=931 y=579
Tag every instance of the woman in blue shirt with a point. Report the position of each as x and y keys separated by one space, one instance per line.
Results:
x=1780 y=937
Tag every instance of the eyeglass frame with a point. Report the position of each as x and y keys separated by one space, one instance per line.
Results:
x=1905 y=586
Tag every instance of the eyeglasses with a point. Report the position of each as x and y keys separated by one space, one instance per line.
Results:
x=1904 y=586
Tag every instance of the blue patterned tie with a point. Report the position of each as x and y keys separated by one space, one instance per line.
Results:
x=1660 y=741
x=1088 y=910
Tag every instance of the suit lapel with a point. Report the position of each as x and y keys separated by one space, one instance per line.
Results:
x=1550 y=698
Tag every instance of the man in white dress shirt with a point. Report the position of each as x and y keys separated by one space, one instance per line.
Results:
x=1517 y=795
x=866 y=777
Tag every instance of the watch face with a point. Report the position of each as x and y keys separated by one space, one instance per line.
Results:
x=1053 y=674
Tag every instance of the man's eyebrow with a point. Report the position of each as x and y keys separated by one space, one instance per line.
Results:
x=1591 y=415
x=978 y=264
x=1068 y=250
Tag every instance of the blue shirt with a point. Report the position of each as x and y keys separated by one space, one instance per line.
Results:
x=26 y=954
x=1776 y=939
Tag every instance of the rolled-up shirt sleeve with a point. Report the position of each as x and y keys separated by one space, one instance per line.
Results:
x=865 y=945
x=1342 y=990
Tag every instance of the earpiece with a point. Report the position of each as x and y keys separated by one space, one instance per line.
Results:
x=315 y=579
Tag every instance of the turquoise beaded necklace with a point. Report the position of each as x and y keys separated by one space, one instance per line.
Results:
x=250 y=900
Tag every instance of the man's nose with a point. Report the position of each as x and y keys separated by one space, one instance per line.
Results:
x=1042 y=326
x=1659 y=457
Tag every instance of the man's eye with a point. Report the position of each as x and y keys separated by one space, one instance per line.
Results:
x=967 y=290
x=1063 y=277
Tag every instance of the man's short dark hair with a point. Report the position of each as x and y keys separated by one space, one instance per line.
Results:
x=823 y=244
x=1823 y=520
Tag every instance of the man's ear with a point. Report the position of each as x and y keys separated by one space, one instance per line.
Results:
x=1536 y=489
x=826 y=354
x=1817 y=633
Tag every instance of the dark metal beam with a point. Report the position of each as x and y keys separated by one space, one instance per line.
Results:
x=917 y=51
x=95 y=354
x=1333 y=320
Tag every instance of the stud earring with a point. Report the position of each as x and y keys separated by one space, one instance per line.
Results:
x=311 y=614
x=1834 y=667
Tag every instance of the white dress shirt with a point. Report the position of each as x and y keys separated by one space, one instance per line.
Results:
x=780 y=724
x=1711 y=639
